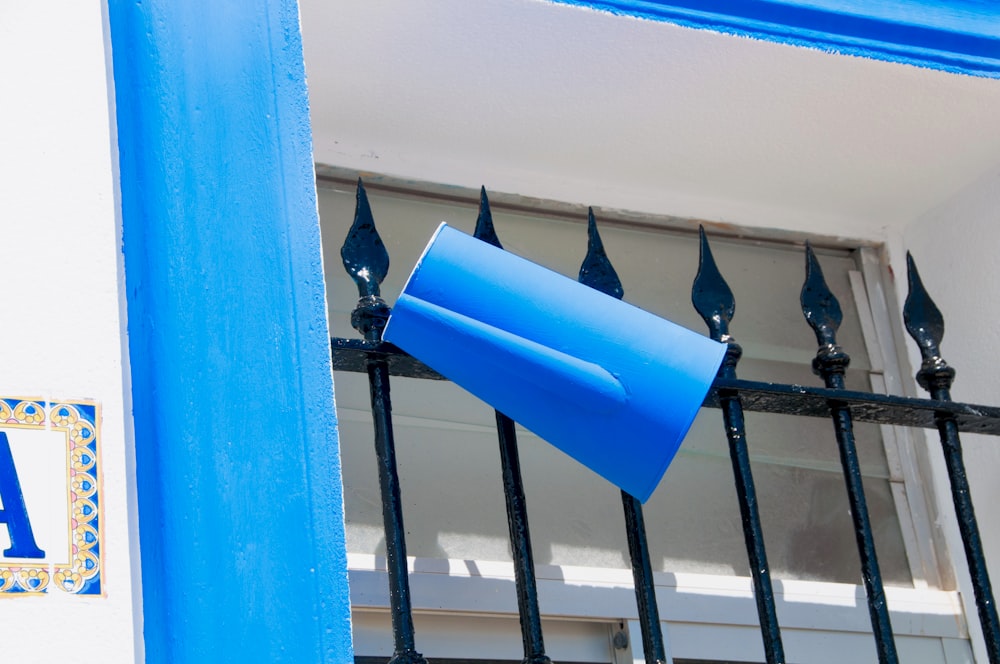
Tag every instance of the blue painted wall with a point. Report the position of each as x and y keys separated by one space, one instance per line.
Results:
x=241 y=516
x=960 y=36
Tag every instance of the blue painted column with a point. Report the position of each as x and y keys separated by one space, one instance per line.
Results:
x=240 y=507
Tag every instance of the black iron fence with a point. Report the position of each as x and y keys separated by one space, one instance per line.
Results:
x=366 y=260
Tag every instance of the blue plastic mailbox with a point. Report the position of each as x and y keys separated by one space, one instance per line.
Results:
x=611 y=385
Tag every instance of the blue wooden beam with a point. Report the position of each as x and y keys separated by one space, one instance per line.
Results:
x=960 y=36
x=240 y=506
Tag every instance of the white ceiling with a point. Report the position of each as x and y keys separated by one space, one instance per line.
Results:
x=565 y=103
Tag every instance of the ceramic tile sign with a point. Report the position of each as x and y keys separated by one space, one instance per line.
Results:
x=50 y=495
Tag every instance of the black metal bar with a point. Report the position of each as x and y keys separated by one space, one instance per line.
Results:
x=598 y=273
x=756 y=396
x=392 y=517
x=926 y=325
x=642 y=577
x=520 y=542
x=513 y=491
x=822 y=311
x=971 y=540
x=864 y=406
x=714 y=301
x=367 y=261
x=877 y=606
x=353 y=355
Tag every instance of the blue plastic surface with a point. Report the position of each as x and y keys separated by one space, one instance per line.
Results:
x=613 y=386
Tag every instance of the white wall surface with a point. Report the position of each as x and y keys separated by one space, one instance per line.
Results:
x=61 y=328
x=955 y=247
x=566 y=103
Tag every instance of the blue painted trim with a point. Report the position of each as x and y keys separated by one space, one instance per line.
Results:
x=960 y=36
x=240 y=506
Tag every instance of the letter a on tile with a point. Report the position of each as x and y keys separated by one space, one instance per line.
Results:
x=14 y=514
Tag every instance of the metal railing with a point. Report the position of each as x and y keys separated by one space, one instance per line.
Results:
x=366 y=260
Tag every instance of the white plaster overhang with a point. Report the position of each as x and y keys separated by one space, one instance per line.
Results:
x=567 y=103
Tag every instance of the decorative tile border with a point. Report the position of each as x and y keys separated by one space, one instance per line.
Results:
x=78 y=421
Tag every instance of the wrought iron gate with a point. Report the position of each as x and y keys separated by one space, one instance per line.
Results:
x=366 y=260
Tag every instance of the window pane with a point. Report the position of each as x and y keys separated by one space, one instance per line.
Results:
x=446 y=440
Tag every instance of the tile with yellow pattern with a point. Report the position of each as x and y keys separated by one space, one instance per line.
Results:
x=50 y=493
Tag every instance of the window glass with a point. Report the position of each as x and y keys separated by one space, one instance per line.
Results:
x=446 y=440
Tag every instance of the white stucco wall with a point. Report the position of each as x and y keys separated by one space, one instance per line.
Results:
x=553 y=101
x=955 y=248
x=61 y=330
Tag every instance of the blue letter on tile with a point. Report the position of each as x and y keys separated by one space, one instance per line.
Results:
x=14 y=513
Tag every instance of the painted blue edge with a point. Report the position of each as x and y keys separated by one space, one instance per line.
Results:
x=962 y=36
x=238 y=474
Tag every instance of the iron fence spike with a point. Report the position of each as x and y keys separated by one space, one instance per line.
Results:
x=921 y=315
x=819 y=304
x=485 y=230
x=363 y=252
x=710 y=293
x=596 y=270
